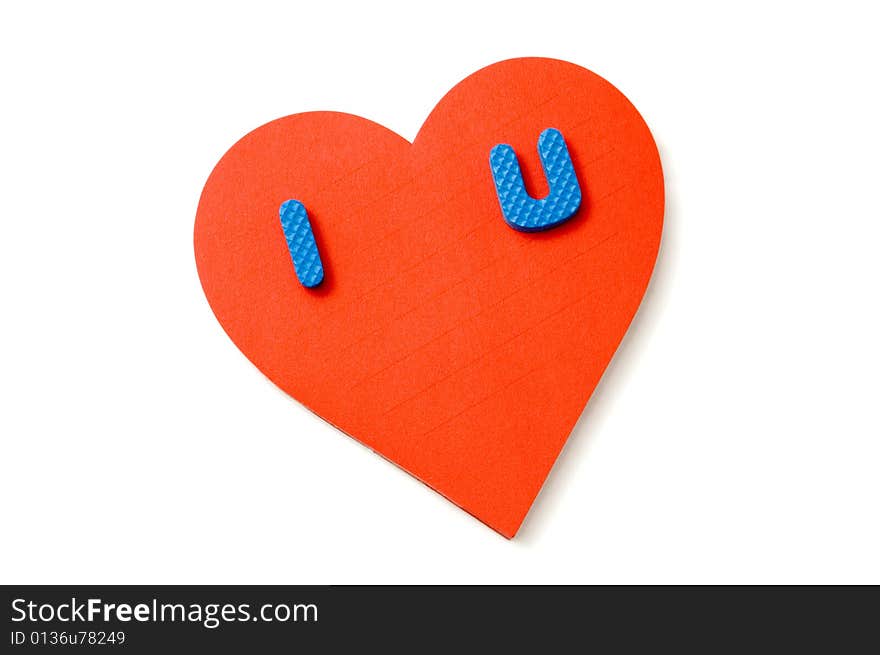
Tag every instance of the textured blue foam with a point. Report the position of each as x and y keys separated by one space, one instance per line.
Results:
x=521 y=211
x=301 y=243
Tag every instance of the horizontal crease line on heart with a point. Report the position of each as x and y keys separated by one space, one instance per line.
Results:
x=530 y=282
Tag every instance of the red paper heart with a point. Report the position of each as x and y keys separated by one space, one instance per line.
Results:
x=458 y=348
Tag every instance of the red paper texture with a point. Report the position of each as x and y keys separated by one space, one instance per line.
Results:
x=458 y=348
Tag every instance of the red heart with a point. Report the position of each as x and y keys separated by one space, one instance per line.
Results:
x=460 y=349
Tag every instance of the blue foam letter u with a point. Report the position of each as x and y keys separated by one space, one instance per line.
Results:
x=521 y=211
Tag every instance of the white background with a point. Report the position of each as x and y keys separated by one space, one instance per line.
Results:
x=734 y=437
